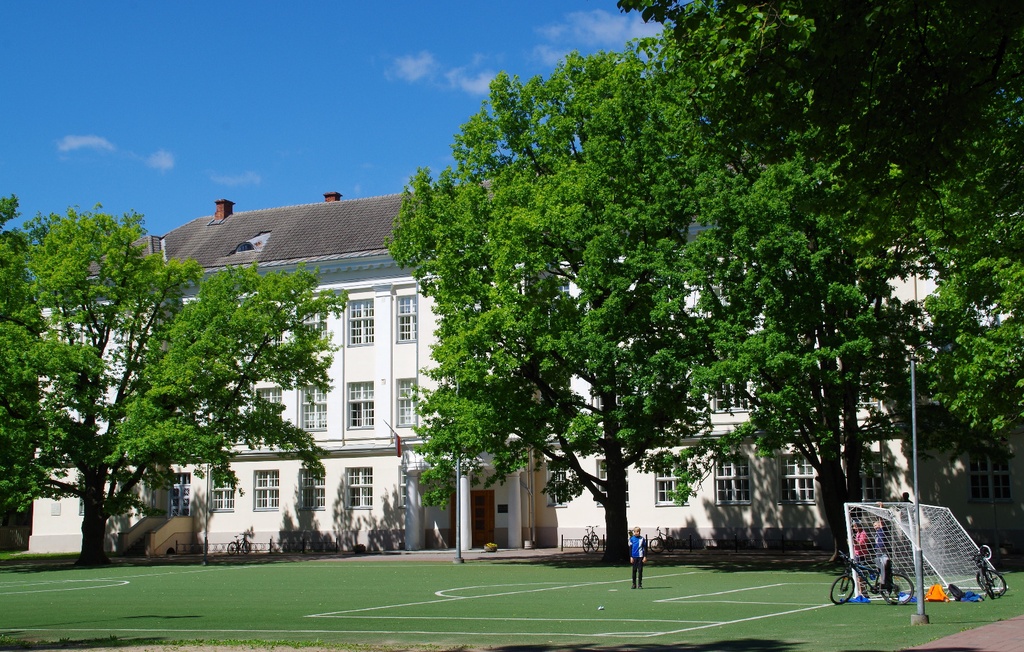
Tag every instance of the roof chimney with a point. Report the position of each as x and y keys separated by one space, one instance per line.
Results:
x=332 y=196
x=224 y=209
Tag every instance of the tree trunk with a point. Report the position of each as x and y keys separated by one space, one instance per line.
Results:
x=616 y=550
x=94 y=530
x=832 y=482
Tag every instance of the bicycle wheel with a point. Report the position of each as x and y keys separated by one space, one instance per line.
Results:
x=900 y=591
x=589 y=543
x=657 y=545
x=842 y=589
x=670 y=544
x=233 y=548
x=245 y=548
x=986 y=582
x=998 y=583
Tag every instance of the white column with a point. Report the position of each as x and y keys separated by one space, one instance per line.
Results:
x=413 y=509
x=465 y=523
x=384 y=350
x=515 y=511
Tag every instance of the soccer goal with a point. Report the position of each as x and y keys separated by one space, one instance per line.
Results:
x=948 y=553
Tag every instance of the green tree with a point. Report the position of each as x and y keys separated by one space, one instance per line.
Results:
x=132 y=377
x=551 y=252
x=917 y=107
x=809 y=331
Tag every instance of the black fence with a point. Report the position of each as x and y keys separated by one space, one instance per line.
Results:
x=692 y=543
x=283 y=545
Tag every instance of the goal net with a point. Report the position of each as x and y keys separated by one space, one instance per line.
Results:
x=946 y=549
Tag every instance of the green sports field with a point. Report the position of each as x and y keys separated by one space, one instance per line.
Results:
x=555 y=602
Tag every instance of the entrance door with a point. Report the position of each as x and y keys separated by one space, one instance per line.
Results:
x=181 y=495
x=482 y=515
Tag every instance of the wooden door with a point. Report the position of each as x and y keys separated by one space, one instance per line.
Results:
x=482 y=516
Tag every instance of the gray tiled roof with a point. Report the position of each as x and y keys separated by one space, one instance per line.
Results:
x=309 y=232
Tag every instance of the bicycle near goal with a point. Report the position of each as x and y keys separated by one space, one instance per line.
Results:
x=241 y=545
x=894 y=589
x=989 y=579
x=662 y=542
x=591 y=542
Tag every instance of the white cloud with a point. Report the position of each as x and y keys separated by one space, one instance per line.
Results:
x=161 y=160
x=243 y=179
x=415 y=67
x=478 y=83
x=71 y=143
x=589 y=30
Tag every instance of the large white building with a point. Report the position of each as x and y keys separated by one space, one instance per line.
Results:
x=369 y=493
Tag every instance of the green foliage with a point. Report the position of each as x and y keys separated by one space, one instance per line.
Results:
x=136 y=364
x=552 y=252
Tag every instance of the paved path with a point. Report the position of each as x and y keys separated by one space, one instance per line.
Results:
x=1003 y=636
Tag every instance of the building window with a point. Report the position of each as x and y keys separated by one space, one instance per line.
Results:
x=990 y=480
x=406 y=319
x=872 y=485
x=360 y=322
x=317 y=323
x=313 y=410
x=731 y=398
x=312 y=490
x=270 y=394
x=797 y=480
x=403 y=478
x=732 y=482
x=665 y=484
x=360 y=405
x=406 y=404
x=360 y=487
x=267 y=493
x=555 y=497
x=223 y=498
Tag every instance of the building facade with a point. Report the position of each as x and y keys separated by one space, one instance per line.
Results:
x=369 y=494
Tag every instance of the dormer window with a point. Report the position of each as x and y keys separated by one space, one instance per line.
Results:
x=253 y=244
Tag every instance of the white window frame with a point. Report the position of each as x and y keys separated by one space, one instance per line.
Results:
x=266 y=494
x=989 y=481
x=317 y=322
x=312 y=491
x=559 y=476
x=664 y=484
x=405 y=402
x=271 y=394
x=360 y=487
x=223 y=498
x=797 y=476
x=360 y=406
x=407 y=319
x=313 y=409
x=728 y=400
x=360 y=322
x=732 y=482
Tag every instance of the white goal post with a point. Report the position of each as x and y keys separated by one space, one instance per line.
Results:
x=948 y=552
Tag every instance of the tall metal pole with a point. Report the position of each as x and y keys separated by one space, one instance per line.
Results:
x=206 y=525
x=458 y=511
x=919 y=618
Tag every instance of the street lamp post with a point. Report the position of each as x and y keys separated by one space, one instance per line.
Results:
x=458 y=511
x=919 y=618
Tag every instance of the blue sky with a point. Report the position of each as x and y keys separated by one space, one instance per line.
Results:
x=164 y=107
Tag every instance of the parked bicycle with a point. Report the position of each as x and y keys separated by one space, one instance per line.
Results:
x=895 y=588
x=662 y=542
x=989 y=579
x=591 y=542
x=241 y=545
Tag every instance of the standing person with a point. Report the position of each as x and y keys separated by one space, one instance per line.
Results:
x=860 y=542
x=638 y=555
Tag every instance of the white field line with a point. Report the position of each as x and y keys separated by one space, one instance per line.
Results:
x=257 y=632
x=445 y=597
x=55 y=589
